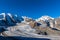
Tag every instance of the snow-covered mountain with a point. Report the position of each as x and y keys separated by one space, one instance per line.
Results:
x=9 y=19
x=44 y=18
x=14 y=25
x=27 y=19
x=2 y=16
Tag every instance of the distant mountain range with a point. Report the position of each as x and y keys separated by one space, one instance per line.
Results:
x=14 y=25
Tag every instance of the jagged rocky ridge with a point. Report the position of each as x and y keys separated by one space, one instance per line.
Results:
x=13 y=25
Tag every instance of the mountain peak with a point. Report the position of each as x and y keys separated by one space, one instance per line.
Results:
x=44 y=18
x=2 y=16
x=9 y=14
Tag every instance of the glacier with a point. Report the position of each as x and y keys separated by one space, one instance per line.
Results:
x=14 y=25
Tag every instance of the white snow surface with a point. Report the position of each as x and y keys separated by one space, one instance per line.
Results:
x=44 y=18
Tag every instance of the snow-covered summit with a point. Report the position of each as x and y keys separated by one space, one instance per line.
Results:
x=27 y=19
x=2 y=16
x=9 y=19
x=44 y=18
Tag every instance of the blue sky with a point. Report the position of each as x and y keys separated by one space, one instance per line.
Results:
x=31 y=8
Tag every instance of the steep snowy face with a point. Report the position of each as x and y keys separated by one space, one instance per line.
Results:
x=2 y=19
x=44 y=18
x=2 y=16
x=9 y=19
